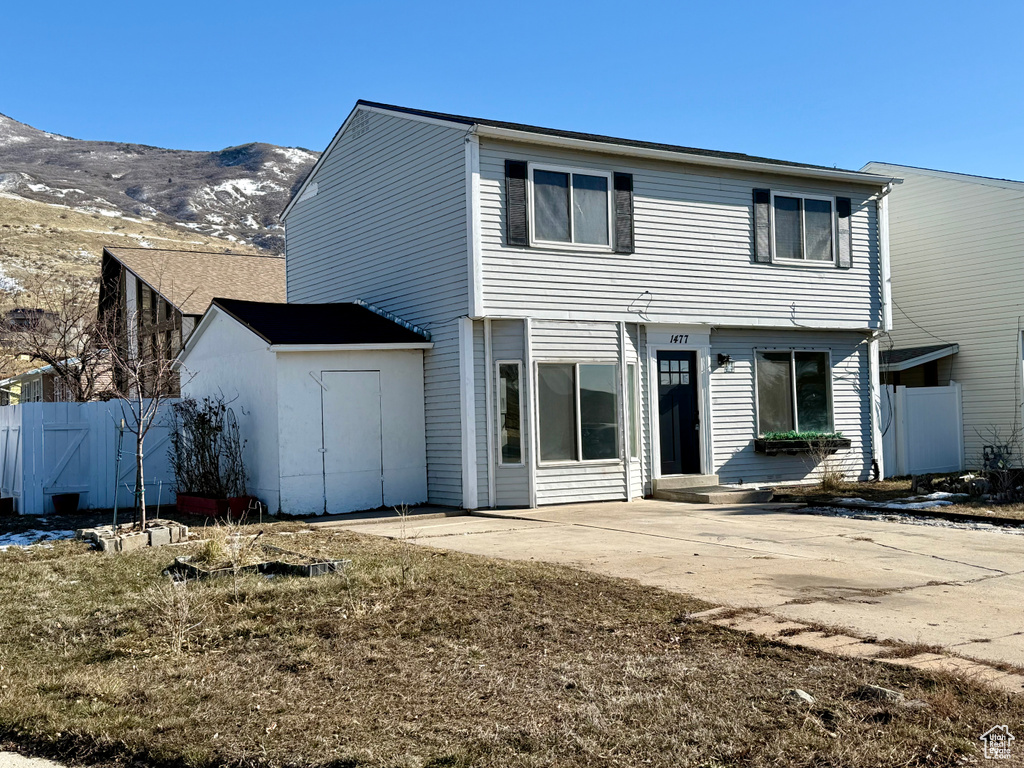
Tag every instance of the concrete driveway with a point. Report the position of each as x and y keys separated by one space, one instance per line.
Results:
x=961 y=589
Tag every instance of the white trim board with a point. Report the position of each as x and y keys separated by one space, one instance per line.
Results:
x=467 y=401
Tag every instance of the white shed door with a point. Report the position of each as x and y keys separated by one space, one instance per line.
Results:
x=353 y=467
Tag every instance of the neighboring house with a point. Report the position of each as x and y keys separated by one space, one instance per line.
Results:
x=164 y=292
x=39 y=385
x=43 y=385
x=607 y=316
x=957 y=270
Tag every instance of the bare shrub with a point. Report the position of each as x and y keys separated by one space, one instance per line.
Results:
x=206 y=449
x=1000 y=464
x=823 y=455
x=407 y=555
x=178 y=604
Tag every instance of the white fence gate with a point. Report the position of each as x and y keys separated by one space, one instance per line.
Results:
x=52 y=448
x=923 y=430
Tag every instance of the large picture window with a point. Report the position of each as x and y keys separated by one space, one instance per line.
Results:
x=510 y=447
x=803 y=228
x=578 y=411
x=570 y=207
x=794 y=392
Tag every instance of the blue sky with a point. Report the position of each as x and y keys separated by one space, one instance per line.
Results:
x=933 y=84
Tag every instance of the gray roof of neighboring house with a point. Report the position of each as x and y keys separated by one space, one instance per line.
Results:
x=908 y=357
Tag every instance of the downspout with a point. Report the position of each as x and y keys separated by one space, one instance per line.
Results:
x=882 y=204
x=877 y=453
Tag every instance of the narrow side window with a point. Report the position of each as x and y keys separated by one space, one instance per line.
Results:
x=510 y=450
x=634 y=410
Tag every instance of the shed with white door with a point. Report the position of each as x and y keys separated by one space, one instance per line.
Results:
x=329 y=398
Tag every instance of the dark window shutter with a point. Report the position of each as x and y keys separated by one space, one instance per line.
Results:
x=762 y=226
x=623 y=212
x=516 y=221
x=843 y=209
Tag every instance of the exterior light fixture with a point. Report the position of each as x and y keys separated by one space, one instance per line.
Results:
x=726 y=361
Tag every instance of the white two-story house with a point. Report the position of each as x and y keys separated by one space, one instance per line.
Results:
x=604 y=314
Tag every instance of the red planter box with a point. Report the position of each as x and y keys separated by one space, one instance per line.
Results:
x=236 y=506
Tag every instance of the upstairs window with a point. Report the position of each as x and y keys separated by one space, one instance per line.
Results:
x=571 y=207
x=803 y=228
x=794 y=392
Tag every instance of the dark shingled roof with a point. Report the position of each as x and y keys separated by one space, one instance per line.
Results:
x=592 y=136
x=287 y=324
x=898 y=356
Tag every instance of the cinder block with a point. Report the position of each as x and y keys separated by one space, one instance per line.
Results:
x=132 y=541
x=159 y=537
x=108 y=545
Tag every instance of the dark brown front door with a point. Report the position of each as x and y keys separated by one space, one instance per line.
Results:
x=679 y=414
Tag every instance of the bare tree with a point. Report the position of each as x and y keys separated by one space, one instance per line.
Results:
x=143 y=381
x=53 y=322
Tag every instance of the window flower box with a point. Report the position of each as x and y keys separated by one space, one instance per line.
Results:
x=793 y=446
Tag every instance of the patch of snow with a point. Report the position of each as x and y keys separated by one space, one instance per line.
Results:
x=30 y=538
x=9 y=284
x=242 y=189
x=11 y=181
x=56 y=192
x=932 y=500
x=294 y=155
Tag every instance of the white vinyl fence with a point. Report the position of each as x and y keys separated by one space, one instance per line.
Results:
x=923 y=430
x=52 y=448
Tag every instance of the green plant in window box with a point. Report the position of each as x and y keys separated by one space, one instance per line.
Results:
x=794 y=435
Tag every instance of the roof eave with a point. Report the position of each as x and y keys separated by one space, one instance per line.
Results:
x=348 y=347
x=527 y=137
x=913 y=362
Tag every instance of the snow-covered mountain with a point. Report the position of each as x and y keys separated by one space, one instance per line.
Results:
x=234 y=194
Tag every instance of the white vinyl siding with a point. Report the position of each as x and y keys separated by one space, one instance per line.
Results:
x=734 y=416
x=388 y=226
x=957 y=252
x=693 y=261
x=572 y=342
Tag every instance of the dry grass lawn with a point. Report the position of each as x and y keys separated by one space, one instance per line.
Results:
x=417 y=657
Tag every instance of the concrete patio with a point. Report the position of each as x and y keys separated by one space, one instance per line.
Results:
x=960 y=589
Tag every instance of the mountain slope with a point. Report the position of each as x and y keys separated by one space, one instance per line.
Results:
x=235 y=194
x=40 y=240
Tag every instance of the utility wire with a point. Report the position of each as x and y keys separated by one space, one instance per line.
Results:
x=919 y=327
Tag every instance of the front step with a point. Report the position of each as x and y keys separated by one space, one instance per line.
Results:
x=678 y=482
x=715 y=494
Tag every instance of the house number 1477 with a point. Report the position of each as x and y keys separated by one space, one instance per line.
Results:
x=679 y=338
